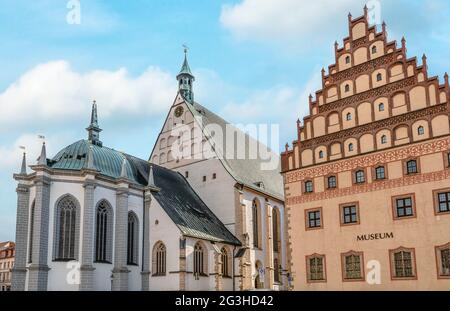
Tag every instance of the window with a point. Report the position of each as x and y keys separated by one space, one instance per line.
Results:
x=276 y=271
x=159 y=260
x=380 y=173
x=350 y=147
x=309 y=186
x=352 y=266
x=381 y=107
x=214 y=176
x=66 y=229
x=103 y=232
x=347 y=88
x=225 y=265
x=315 y=267
x=403 y=263
x=383 y=139
x=448 y=159
x=199 y=260
x=320 y=154
x=374 y=49
x=313 y=220
x=275 y=229
x=411 y=167
x=133 y=239
x=349 y=116
x=332 y=182
x=421 y=131
x=347 y=60
x=30 y=245
x=349 y=214
x=255 y=214
x=204 y=178
x=404 y=207
x=443 y=260
x=379 y=77
x=186 y=174
x=443 y=202
x=360 y=177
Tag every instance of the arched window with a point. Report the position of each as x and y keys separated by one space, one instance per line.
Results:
x=379 y=77
x=159 y=261
x=133 y=239
x=384 y=139
x=347 y=60
x=103 y=232
x=360 y=177
x=255 y=214
x=347 y=88
x=199 y=260
x=381 y=107
x=275 y=229
x=374 y=49
x=350 y=147
x=225 y=265
x=321 y=154
x=66 y=229
x=349 y=116
x=30 y=235
x=276 y=271
x=421 y=131
x=162 y=143
x=332 y=182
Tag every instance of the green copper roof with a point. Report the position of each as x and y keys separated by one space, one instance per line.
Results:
x=185 y=69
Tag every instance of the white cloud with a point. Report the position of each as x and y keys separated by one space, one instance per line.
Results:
x=54 y=92
x=287 y=20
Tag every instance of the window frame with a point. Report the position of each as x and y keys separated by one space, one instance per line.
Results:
x=394 y=199
x=405 y=166
x=304 y=185
x=133 y=252
x=438 y=255
x=157 y=259
x=361 y=263
x=392 y=253
x=436 y=201
x=375 y=175
x=355 y=179
x=308 y=270
x=327 y=179
x=56 y=237
x=109 y=234
x=342 y=214
x=307 y=222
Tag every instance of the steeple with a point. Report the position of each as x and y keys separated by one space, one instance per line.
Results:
x=185 y=80
x=23 y=169
x=43 y=157
x=93 y=129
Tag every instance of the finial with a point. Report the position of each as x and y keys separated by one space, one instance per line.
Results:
x=23 y=169
x=287 y=147
x=366 y=10
x=43 y=157
x=446 y=80
x=299 y=122
x=123 y=172
x=310 y=98
x=151 y=179
x=93 y=128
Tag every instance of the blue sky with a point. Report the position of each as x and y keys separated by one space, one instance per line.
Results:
x=255 y=61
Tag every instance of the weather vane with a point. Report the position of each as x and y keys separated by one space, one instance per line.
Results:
x=186 y=48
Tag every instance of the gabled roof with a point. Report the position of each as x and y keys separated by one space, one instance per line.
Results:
x=246 y=171
x=191 y=215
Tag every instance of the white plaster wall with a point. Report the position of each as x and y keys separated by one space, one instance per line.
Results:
x=167 y=232
x=205 y=283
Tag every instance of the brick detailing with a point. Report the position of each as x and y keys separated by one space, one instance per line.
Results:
x=120 y=271
x=38 y=270
x=377 y=186
x=19 y=271
x=370 y=160
x=87 y=251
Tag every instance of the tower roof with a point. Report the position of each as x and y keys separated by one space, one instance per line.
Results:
x=185 y=69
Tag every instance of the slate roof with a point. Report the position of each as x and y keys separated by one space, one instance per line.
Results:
x=245 y=171
x=176 y=197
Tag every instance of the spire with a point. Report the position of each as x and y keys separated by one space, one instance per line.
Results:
x=151 y=179
x=23 y=169
x=366 y=11
x=93 y=129
x=446 y=80
x=90 y=159
x=123 y=172
x=185 y=79
x=43 y=157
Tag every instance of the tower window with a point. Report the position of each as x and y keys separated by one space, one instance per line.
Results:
x=321 y=155
x=379 y=77
x=349 y=116
x=347 y=60
x=374 y=49
x=214 y=176
x=308 y=186
x=381 y=107
x=380 y=173
x=332 y=184
x=411 y=167
x=204 y=178
x=421 y=131
x=384 y=139
x=351 y=147
x=360 y=177
x=347 y=88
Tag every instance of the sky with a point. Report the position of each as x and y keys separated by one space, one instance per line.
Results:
x=255 y=61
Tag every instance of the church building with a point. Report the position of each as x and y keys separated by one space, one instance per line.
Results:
x=93 y=218
x=367 y=180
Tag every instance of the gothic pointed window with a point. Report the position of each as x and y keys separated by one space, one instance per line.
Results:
x=133 y=239
x=103 y=232
x=200 y=260
x=275 y=229
x=66 y=229
x=225 y=262
x=255 y=218
x=159 y=260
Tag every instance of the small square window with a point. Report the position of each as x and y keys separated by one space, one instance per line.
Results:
x=204 y=178
x=186 y=174
x=214 y=176
x=309 y=186
x=349 y=214
x=380 y=173
x=332 y=182
x=443 y=202
x=314 y=220
x=360 y=177
x=404 y=207
x=411 y=167
x=381 y=107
